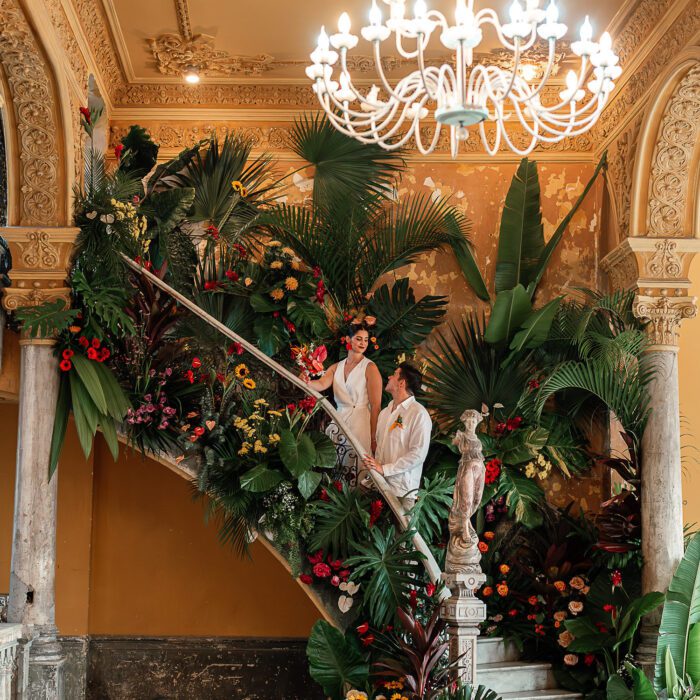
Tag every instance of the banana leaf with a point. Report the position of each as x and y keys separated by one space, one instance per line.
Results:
x=679 y=620
x=511 y=308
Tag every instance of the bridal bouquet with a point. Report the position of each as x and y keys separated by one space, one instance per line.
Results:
x=310 y=359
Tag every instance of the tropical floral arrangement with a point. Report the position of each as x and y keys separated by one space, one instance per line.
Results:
x=288 y=278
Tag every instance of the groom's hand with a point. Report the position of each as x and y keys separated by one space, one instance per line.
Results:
x=371 y=463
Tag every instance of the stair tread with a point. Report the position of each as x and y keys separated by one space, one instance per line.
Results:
x=501 y=665
x=548 y=694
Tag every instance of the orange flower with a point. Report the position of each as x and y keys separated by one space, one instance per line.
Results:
x=532 y=600
x=486 y=592
x=483 y=547
x=488 y=535
x=504 y=569
x=502 y=589
x=560 y=586
x=577 y=582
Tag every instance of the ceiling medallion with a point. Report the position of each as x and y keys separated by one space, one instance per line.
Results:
x=462 y=92
x=176 y=54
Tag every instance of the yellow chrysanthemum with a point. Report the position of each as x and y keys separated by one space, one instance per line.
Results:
x=245 y=448
x=276 y=265
x=241 y=371
x=288 y=251
x=260 y=402
x=277 y=294
x=291 y=283
x=259 y=447
x=274 y=244
x=248 y=383
x=274 y=438
x=277 y=414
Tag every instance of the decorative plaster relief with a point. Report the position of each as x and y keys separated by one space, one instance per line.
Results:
x=33 y=101
x=670 y=169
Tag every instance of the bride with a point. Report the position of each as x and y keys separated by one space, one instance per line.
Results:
x=357 y=389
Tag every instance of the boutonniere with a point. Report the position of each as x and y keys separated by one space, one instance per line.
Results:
x=398 y=423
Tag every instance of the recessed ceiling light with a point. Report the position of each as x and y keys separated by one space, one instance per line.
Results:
x=191 y=75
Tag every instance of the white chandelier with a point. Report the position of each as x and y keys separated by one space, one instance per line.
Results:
x=462 y=93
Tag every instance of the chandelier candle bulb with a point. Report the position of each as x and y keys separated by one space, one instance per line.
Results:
x=465 y=90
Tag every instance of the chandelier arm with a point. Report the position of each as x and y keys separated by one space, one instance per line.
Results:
x=534 y=130
x=433 y=143
x=382 y=75
x=547 y=71
x=491 y=150
x=511 y=145
x=399 y=45
x=422 y=71
x=488 y=16
x=514 y=72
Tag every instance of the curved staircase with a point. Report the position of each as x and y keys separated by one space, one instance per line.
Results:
x=499 y=668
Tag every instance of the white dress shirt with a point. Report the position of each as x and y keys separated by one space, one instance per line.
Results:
x=403 y=439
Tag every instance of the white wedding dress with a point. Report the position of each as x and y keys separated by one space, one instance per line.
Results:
x=352 y=401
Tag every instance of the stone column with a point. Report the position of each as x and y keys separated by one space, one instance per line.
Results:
x=658 y=270
x=41 y=260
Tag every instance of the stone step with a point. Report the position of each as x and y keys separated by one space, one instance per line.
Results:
x=550 y=694
x=516 y=676
x=492 y=650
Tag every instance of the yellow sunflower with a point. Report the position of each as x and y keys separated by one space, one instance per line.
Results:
x=241 y=371
x=291 y=283
x=249 y=383
x=237 y=186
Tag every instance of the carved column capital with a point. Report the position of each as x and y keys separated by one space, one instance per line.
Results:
x=658 y=270
x=664 y=315
x=41 y=259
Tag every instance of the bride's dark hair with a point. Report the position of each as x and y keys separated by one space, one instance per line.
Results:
x=355 y=328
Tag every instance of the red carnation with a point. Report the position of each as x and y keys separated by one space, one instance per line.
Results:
x=513 y=423
x=307 y=404
x=86 y=114
x=196 y=363
x=589 y=659
x=65 y=365
x=104 y=354
x=363 y=628
x=534 y=384
x=233 y=276
x=291 y=407
x=67 y=354
x=344 y=574
x=95 y=343
x=500 y=428
x=92 y=354
x=118 y=150
x=241 y=250
x=493 y=470
x=83 y=341
x=235 y=348
x=212 y=284
x=322 y=570
x=307 y=579
x=213 y=231
x=368 y=640
x=316 y=272
x=320 y=292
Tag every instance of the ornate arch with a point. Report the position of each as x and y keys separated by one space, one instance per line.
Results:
x=39 y=176
x=665 y=182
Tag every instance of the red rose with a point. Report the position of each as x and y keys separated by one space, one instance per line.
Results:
x=118 y=150
x=335 y=565
x=322 y=570
x=92 y=354
x=368 y=640
x=104 y=354
x=363 y=628
x=67 y=354
x=344 y=574
x=307 y=579
x=65 y=365
x=95 y=343
x=589 y=659
x=196 y=363
x=315 y=558
x=233 y=276
x=86 y=114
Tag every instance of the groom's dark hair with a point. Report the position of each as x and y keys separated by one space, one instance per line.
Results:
x=412 y=377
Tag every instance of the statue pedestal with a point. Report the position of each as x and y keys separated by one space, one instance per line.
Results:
x=463 y=612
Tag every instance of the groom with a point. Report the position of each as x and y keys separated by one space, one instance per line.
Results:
x=403 y=435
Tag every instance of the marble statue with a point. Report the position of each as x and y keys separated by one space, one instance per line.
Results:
x=463 y=554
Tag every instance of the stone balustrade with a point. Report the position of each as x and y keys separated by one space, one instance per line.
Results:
x=9 y=640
